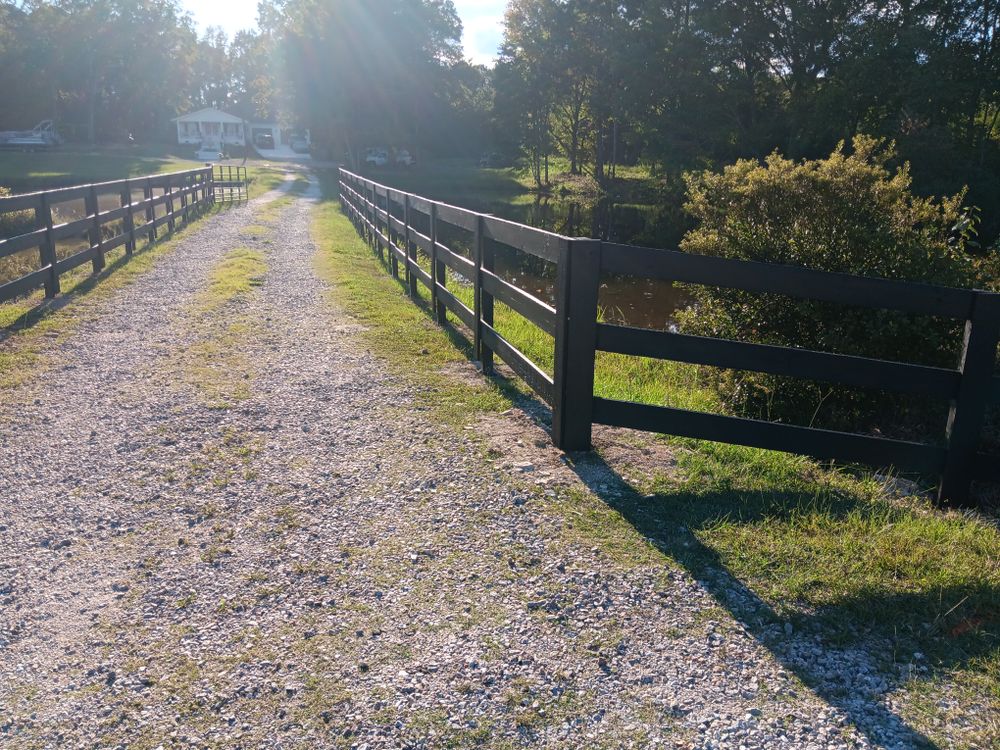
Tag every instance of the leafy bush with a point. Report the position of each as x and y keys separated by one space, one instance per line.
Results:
x=847 y=213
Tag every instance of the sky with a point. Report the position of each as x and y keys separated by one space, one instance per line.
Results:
x=482 y=21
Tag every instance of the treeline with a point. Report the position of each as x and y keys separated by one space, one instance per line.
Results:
x=357 y=72
x=105 y=70
x=691 y=83
x=671 y=84
x=380 y=72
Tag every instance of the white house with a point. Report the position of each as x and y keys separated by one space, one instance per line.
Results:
x=212 y=128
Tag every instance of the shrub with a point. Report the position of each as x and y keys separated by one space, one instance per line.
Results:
x=847 y=213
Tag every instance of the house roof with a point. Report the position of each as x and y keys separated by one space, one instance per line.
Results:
x=216 y=115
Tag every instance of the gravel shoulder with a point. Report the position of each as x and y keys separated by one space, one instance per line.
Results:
x=224 y=524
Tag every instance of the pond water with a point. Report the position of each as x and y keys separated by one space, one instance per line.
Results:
x=647 y=303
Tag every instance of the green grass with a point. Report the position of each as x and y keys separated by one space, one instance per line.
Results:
x=238 y=273
x=24 y=172
x=77 y=165
x=775 y=537
x=215 y=361
x=265 y=177
x=451 y=180
x=401 y=333
x=456 y=180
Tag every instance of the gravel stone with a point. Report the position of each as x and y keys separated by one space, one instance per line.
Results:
x=320 y=565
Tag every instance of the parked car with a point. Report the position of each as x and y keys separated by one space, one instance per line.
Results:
x=299 y=144
x=377 y=157
x=208 y=154
x=264 y=140
x=405 y=158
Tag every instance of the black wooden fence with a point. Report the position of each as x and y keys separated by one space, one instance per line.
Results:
x=385 y=217
x=179 y=193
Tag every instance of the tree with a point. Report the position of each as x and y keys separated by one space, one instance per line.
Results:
x=360 y=70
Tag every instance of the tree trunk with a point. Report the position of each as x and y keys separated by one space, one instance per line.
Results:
x=599 y=157
x=92 y=105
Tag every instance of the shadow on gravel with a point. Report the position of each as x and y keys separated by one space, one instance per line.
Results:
x=853 y=652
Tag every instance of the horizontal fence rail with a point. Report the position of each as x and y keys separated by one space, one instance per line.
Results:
x=166 y=199
x=386 y=217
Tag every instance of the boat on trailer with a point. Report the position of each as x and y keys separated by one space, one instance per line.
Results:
x=41 y=137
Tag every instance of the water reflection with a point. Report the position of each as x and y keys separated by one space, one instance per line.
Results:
x=648 y=303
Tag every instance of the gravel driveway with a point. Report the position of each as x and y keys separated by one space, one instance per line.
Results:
x=315 y=564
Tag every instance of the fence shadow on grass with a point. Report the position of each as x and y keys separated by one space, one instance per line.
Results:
x=861 y=636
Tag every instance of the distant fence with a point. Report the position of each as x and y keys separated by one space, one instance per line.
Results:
x=386 y=217
x=166 y=199
x=230 y=183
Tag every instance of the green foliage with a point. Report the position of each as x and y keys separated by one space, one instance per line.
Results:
x=375 y=72
x=683 y=84
x=848 y=213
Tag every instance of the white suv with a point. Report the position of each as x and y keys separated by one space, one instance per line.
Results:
x=377 y=157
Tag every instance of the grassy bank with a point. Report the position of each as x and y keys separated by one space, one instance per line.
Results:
x=451 y=180
x=27 y=172
x=456 y=179
x=777 y=538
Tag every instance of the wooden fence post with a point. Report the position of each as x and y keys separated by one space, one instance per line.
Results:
x=47 y=248
x=411 y=250
x=482 y=353
x=968 y=410
x=185 y=184
x=577 y=283
x=486 y=262
x=147 y=194
x=365 y=211
x=376 y=241
x=168 y=190
x=92 y=206
x=437 y=271
x=393 y=260
x=129 y=227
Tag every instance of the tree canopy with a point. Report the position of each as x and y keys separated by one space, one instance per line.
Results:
x=688 y=83
x=674 y=84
